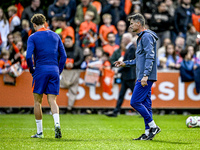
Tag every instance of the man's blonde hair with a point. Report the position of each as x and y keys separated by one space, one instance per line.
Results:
x=12 y=8
x=4 y=52
x=107 y=16
x=25 y=23
x=90 y=13
x=38 y=19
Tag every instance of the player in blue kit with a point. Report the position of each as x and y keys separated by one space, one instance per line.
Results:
x=49 y=60
x=146 y=71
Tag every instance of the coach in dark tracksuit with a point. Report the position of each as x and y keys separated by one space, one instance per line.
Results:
x=128 y=73
x=146 y=70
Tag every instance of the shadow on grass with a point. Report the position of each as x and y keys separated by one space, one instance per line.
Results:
x=170 y=142
x=111 y=140
x=49 y=139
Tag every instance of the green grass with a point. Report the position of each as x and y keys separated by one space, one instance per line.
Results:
x=96 y=132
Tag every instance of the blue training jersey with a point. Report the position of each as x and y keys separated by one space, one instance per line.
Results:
x=47 y=49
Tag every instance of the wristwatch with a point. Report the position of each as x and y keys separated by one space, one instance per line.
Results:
x=145 y=75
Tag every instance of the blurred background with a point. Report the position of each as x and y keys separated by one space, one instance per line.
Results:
x=95 y=34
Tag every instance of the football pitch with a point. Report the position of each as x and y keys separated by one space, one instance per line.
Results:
x=93 y=132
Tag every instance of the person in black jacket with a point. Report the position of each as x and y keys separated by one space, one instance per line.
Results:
x=128 y=73
x=70 y=10
x=182 y=17
x=71 y=72
x=29 y=11
x=60 y=8
x=117 y=12
x=160 y=23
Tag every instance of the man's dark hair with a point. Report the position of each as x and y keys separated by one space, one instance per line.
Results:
x=159 y=3
x=54 y=19
x=68 y=37
x=183 y=53
x=9 y=34
x=38 y=19
x=109 y=34
x=61 y=19
x=106 y=54
x=137 y=18
x=4 y=52
x=189 y=26
x=197 y=5
x=34 y=0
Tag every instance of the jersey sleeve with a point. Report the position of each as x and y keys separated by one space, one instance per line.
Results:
x=148 y=46
x=29 y=53
x=130 y=62
x=62 y=55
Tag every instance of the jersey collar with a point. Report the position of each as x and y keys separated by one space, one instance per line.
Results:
x=42 y=29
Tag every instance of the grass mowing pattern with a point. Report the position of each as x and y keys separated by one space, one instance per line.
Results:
x=92 y=132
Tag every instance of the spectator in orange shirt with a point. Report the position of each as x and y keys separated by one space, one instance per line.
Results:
x=14 y=21
x=66 y=30
x=111 y=46
x=106 y=28
x=88 y=31
x=4 y=62
x=81 y=9
x=16 y=51
x=196 y=17
x=106 y=62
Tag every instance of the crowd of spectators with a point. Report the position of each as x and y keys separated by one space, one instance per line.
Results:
x=101 y=24
x=92 y=30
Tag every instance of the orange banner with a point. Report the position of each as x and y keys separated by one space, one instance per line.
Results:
x=168 y=92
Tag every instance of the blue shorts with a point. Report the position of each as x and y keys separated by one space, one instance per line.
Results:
x=48 y=83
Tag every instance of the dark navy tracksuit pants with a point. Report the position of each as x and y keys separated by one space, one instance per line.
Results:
x=141 y=101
